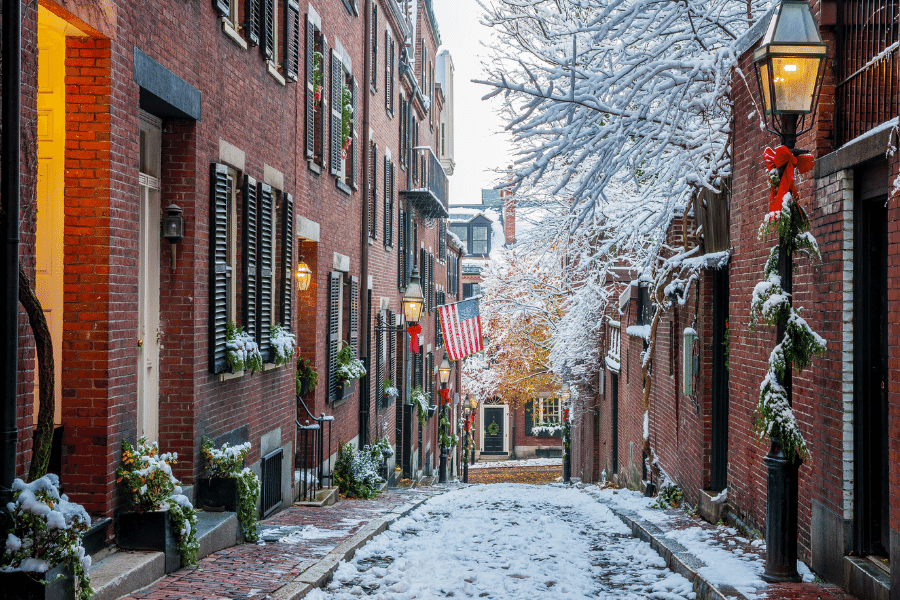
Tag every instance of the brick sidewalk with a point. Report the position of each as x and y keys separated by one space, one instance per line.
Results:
x=291 y=542
x=534 y=475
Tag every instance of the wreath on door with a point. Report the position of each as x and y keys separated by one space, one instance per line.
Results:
x=493 y=428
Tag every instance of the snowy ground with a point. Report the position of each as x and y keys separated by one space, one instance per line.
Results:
x=507 y=541
x=528 y=462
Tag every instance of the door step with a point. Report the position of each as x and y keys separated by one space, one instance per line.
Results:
x=881 y=562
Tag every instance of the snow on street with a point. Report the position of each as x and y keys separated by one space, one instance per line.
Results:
x=507 y=541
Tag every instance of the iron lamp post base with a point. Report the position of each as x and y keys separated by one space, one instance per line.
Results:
x=781 y=517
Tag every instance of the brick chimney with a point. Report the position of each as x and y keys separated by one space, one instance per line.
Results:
x=509 y=216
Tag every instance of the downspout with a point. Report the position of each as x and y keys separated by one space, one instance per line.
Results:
x=367 y=168
x=9 y=265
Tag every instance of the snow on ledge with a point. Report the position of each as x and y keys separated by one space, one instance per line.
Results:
x=613 y=364
x=641 y=331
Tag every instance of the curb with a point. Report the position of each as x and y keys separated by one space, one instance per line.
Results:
x=320 y=573
x=677 y=557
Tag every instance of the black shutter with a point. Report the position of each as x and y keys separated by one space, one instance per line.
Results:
x=222 y=7
x=334 y=315
x=264 y=283
x=438 y=333
x=430 y=281
x=310 y=91
x=392 y=349
x=353 y=334
x=253 y=23
x=287 y=254
x=442 y=243
x=218 y=267
x=373 y=190
x=388 y=207
x=373 y=65
x=417 y=370
x=423 y=274
x=529 y=417
x=401 y=254
x=249 y=254
x=388 y=79
x=291 y=40
x=267 y=34
x=379 y=357
x=354 y=154
x=336 y=106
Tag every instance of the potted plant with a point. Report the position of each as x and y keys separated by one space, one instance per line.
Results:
x=349 y=369
x=419 y=399
x=160 y=518
x=241 y=351
x=388 y=393
x=230 y=484
x=44 y=556
x=283 y=343
x=307 y=377
x=356 y=473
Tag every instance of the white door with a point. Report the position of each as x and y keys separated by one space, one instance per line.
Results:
x=148 y=334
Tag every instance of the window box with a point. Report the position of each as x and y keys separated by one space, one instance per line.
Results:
x=57 y=583
x=345 y=388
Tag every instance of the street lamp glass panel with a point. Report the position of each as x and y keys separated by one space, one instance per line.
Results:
x=413 y=300
x=794 y=82
x=304 y=276
x=792 y=22
x=444 y=370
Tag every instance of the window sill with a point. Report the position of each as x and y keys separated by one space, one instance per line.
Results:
x=273 y=71
x=229 y=376
x=343 y=186
x=229 y=30
x=314 y=166
x=373 y=89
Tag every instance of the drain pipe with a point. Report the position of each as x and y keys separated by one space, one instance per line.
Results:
x=9 y=265
x=367 y=168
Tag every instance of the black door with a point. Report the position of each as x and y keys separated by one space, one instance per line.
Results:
x=493 y=430
x=614 y=384
x=719 y=433
x=870 y=354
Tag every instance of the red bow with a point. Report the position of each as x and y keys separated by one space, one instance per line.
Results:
x=414 y=331
x=783 y=157
x=445 y=394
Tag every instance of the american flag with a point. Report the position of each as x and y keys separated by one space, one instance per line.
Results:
x=461 y=325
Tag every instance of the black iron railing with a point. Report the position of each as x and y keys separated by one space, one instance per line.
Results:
x=311 y=460
x=867 y=63
x=270 y=496
x=428 y=184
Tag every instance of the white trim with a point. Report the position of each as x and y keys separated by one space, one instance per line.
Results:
x=232 y=155
x=273 y=71
x=229 y=30
x=314 y=17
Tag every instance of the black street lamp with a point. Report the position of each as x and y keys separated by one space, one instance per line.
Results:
x=444 y=374
x=564 y=396
x=789 y=65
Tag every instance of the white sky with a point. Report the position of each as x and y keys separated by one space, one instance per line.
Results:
x=480 y=143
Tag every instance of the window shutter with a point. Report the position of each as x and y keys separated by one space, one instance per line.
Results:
x=373 y=191
x=374 y=36
x=336 y=75
x=438 y=332
x=388 y=207
x=264 y=282
x=423 y=277
x=355 y=153
x=410 y=248
x=222 y=7
x=353 y=334
x=250 y=255
x=529 y=418
x=392 y=349
x=389 y=73
x=267 y=34
x=442 y=243
x=291 y=40
x=430 y=281
x=218 y=267
x=379 y=364
x=287 y=253
x=417 y=370
x=253 y=23
x=401 y=254
x=310 y=91
x=334 y=291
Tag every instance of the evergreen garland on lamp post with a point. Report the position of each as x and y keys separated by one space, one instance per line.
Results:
x=788 y=66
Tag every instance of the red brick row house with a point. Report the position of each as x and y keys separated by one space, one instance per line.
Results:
x=708 y=363
x=280 y=132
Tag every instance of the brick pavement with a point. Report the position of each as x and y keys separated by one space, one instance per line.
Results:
x=291 y=542
x=535 y=475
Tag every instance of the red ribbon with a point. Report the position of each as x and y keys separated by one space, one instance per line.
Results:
x=414 y=331
x=445 y=394
x=783 y=157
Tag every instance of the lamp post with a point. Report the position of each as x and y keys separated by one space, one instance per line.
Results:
x=788 y=64
x=413 y=302
x=564 y=396
x=469 y=407
x=444 y=422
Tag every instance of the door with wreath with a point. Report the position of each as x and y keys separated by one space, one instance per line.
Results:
x=493 y=430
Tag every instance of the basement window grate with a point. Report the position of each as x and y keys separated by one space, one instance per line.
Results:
x=270 y=496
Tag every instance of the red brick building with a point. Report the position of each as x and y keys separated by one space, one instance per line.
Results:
x=846 y=402
x=279 y=129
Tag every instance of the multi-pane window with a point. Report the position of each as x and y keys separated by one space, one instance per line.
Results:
x=546 y=411
x=344 y=154
x=462 y=232
x=480 y=243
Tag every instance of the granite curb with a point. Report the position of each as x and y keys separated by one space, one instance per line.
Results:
x=320 y=573
x=677 y=557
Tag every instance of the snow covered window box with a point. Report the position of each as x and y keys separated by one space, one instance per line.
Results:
x=542 y=418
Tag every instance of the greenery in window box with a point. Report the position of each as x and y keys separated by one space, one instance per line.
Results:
x=241 y=351
x=317 y=78
x=348 y=366
x=306 y=371
x=47 y=530
x=227 y=462
x=388 y=389
x=419 y=399
x=146 y=477
x=346 y=120
x=283 y=345
x=356 y=473
x=546 y=428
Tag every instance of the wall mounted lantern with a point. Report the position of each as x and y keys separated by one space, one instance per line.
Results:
x=173 y=227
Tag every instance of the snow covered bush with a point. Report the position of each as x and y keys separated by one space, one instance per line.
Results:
x=283 y=345
x=419 y=399
x=228 y=462
x=241 y=351
x=47 y=531
x=356 y=473
x=348 y=366
x=546 y=429
x=670 y=496
x=149 y=485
